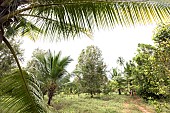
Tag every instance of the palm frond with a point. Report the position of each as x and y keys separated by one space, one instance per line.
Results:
x=23 y=27
x=53 y=65
x=70 y=17
x=101 y=13
x=65 y=61
x=21 y=94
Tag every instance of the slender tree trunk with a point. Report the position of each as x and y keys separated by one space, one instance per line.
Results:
x=91 y=94
x=119 y=91
x=51 y=91
x=1 y=34
x=49 y=100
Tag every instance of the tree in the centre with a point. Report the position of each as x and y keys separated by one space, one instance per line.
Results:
x=92 y=70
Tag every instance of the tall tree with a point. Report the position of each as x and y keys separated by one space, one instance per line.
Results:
x=51 y=69
x=152 y=75
x=161 y=38
x=92 y=70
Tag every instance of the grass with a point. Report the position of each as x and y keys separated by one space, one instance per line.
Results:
x=99 y=104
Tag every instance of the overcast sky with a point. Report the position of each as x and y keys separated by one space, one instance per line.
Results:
x=114 y=43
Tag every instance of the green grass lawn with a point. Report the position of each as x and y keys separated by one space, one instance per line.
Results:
x=99 y=104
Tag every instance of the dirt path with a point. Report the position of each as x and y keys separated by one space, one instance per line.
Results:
x=126 y=107
x=135 y=102
x=141 y=108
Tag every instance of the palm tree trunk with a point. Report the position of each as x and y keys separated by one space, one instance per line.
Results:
x=119 y=91
x=49 y=99
x=1 y=34
x=51 y=92
x=91 y=94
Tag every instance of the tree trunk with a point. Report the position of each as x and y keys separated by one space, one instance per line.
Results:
x=49 y=100
x=119 y=91
x=91 y=94
x=131 y=92
x=51 y=92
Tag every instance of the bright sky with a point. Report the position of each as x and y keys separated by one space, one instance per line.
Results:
x=113 y=44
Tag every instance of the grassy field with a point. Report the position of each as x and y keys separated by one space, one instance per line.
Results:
x=100 y=104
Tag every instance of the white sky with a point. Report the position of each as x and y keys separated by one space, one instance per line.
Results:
x=118 y=42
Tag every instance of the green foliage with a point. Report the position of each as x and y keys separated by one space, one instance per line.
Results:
x=91 y=70
x=161 y=106
x=112 y=103
x=74 y=87
x=7 y=61
x=161 y=33
x=23 y=27
x=118 y=80
x=152 y=71
x=120 y=61
x=129 y=72
x=151 y=76
x=70 y=17
x=21 y=93
x=50 y=70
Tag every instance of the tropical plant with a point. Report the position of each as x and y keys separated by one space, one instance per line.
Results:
x=20 y=95
x=33 y=66
x=51 y=69
x=129 y=72
x=117 y=80
x=70 y=17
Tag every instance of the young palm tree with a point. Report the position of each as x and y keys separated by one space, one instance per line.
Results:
x=70 y=17
x=53 y=69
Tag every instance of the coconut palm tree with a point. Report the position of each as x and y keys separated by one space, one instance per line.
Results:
x=68 y=18
x=52 y=68
x=120 y=61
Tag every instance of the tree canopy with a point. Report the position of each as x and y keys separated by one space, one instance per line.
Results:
x=91 y=70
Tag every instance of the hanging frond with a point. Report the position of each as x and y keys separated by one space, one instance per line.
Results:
x=97 y=13
x=68 y=18
x=23 y=27
x=20 y=94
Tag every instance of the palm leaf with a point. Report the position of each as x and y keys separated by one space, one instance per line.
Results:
x=21 y=94
x=88 y=14
x=23 y=27
x=70 y=17
x=161 y=1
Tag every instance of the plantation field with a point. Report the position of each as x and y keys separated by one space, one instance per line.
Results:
x=100 y=104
